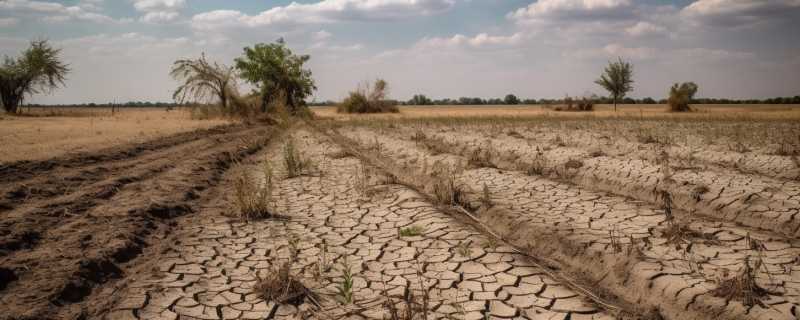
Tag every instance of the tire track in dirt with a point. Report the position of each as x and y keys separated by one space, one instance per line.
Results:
x=105 y=229
x=210 y=271
x=573 y=226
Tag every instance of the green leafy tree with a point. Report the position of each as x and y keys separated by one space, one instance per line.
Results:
x=617 y=79
x=511 y=99
x=38 y=70
x=203 y=80
x=681 y=95
x=277 y=73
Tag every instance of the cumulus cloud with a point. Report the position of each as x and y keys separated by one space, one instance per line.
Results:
x=741 y=12
x=159 y=11
x=479 y=40
x=644 y=28
x=325 y=11
x=571 y=10
x=52 y=12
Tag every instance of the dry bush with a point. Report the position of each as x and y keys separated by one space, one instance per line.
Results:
x=585 y=103
x=411 y=231
x=680 y=96
x=281 y=287
x=448 y=192
x=368 y=99
x=296 y=164
x=253 y=198
x=481 y=158
x=742 y=286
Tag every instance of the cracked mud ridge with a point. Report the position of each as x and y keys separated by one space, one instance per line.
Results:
x=410 y=220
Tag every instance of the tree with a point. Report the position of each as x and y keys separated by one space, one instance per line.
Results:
x=420 y=100
x=277 y=73
x=39 y=69
x=680 y=96
x=203 y=80
x=617 y=79
x=511 y=99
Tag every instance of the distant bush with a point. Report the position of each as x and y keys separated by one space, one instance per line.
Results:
x=586 y=103
x=680 y=96
x=368 y=99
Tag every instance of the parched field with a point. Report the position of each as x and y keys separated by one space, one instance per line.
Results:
x=639 y=215
x=51 y=132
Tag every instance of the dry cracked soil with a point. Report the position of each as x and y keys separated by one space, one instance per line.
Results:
x=425 y=221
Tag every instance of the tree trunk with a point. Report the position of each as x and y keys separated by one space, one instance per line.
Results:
x=615 y=104
x=11 y=104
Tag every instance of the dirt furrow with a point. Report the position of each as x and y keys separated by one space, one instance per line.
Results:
x=54 y=178
x=341 y=215
x=91 y=245
x=755 y=201
x=629 y=248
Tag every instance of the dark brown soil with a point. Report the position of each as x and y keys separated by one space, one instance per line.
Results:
x=74 y=224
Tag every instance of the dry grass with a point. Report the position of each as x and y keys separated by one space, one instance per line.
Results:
x=254 y=197
x=83 y=129
x=653 y=111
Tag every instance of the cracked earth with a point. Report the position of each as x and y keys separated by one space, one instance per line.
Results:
x=472 y=220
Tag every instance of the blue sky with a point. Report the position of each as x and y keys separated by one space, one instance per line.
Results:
x=121 y=50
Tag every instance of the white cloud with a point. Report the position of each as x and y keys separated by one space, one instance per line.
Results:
x=52 y=12
x=160 y=17
x=740 y=12
x=479 y=40
x=575 y=10
x=159 y=11
x=325 y=11
x=321 y=35
x=8 y=22
x=644 y=28
x=158 y=5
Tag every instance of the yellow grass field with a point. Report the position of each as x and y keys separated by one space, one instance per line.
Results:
x=735 y=112
x=54 y=132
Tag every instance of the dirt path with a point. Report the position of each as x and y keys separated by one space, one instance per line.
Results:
x=344 y=206
x=71 y=227
x=626 y=247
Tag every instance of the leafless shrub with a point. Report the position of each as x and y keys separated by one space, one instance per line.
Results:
x=368 y=99
x=742 y=286
x=481 y=158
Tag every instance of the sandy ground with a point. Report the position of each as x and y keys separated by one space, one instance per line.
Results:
x=46 y=135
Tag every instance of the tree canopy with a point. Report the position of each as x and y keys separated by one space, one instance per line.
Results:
x=277 y=73
x=38 y=69
x=617 y=79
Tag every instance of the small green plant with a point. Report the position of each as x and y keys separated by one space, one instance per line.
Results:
x=463 y=249
x=411 y=231
x=344 y=291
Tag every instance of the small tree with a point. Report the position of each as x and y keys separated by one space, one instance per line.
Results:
x=511 y=99
x=420 y=100
x=617 y=79
x=203 y=80
x=680 y=96
x=366 y=99
x=277 y=73
x=39 y=69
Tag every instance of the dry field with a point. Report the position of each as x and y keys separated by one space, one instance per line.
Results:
x=517 y=213
x=51 y=132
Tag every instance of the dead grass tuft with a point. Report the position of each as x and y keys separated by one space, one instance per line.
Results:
x=254 y=198
x=281 y=287
x=296 y=164
x=742 y=286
